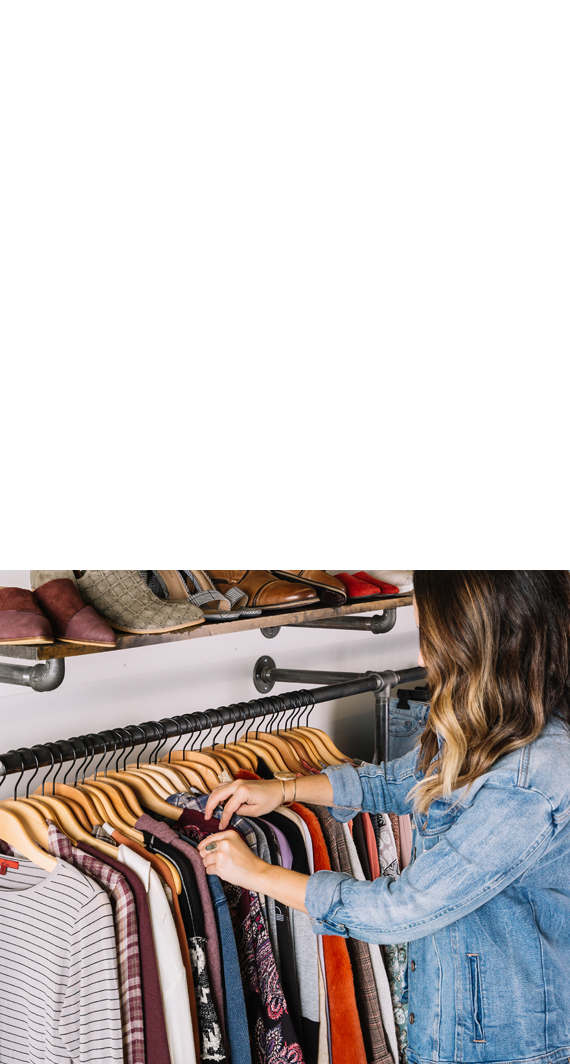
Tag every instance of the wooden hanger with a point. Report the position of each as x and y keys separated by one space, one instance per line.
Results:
x=147 y=795
x=212 y=769
x=16 y=832
x=305 y=750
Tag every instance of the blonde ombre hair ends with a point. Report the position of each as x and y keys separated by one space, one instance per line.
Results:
x=496 y=646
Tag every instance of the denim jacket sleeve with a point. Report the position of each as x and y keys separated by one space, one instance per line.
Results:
x=372 y=788
x=476 y=852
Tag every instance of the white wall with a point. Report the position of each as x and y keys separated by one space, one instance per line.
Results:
x=130 y=686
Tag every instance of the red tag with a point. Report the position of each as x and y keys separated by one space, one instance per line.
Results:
x=5 y=864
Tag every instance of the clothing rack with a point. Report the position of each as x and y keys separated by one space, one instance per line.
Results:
x=127 y=738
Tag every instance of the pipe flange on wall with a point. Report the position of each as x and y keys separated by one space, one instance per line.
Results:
x=45 y=676
x=262 y=683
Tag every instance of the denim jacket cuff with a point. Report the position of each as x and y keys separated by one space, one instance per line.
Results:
x=322 y=899
x=347 y=792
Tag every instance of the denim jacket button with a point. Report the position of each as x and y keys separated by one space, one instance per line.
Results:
x=412 y=1018
x=413 y=966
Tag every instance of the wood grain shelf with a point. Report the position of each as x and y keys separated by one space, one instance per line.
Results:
x=127 y=641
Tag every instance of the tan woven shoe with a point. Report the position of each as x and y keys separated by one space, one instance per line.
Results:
x=123 y=598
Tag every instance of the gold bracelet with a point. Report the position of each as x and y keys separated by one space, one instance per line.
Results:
x=285 y=777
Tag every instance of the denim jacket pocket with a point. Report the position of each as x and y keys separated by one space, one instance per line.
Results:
x=439 y=819
x=476 y=997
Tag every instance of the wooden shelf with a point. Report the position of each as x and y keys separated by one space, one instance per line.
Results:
x=266 y=620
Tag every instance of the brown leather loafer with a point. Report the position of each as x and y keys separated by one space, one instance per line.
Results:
x=263 y=590
x=331 y=591
x=22 y=621
x=72 y=621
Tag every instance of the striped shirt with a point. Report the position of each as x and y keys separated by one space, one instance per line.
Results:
x=126 y=937
x=59 y=994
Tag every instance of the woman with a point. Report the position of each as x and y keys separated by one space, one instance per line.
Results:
x=485 y=904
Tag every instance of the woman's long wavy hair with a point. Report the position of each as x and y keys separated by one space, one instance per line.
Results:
x=496 y=646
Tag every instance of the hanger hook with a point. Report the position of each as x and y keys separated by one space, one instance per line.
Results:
x=48 y=746
x=42 y=746
x=176 y=721
x=275 y=707
x=200 y=729
x=76 y=739
x=144 y=745
x=21 y=773
x=310 y=699
x=263 y=704
x=282 y=711
x=230 y=709
x=58 y=744
x=298 y=707
x=162 y=732
x=163 y=721
x=209 y=719
x=99 y=735
x=214 y=740
x=131 y=747
x=90 y=752
x=124 y=750
x=242 y=708
x=196 y=735
x=113 y=734
x=189 y=719
x=30 y=750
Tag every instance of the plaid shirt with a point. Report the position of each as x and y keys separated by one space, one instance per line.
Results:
x=126 y=930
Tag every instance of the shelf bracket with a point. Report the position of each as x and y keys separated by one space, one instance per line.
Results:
x=45 y=676
x=379 y=624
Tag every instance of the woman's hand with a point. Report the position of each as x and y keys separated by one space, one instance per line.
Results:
x=246 y=797
x=226 y=855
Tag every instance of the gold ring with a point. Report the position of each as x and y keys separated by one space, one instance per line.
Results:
x=212 y=846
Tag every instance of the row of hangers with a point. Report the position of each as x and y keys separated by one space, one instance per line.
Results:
x=114 y=798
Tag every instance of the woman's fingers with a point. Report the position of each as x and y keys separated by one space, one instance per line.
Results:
x=239 y=798
x=261 y=796
x=219 y=795
x=227 y=855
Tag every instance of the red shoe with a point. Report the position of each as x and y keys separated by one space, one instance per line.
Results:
x=359 y=590
x=386 y=589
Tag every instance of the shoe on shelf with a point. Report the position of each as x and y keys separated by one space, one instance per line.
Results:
x=263 y=591
x=382 y=585
x=359 y=590
x=194 y=585
x=22 y=621
x=402 y=578
x=123 y=598
x=72 y=621
x=331 y=591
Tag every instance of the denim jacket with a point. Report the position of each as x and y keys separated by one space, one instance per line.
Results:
x=485 y=904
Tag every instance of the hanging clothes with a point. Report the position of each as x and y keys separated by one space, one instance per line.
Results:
x=58 y=968
x=127 y=938
x=270 y=1026
x=367 y=1001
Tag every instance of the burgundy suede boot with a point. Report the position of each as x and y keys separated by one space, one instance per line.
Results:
x=21 y=618
x=72 y=621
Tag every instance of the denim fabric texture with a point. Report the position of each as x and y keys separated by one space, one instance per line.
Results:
x=406 y=726
x=485 y=904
